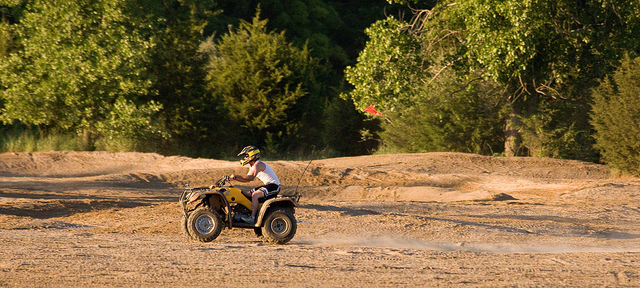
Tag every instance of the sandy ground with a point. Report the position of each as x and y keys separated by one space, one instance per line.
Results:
x=71 y=219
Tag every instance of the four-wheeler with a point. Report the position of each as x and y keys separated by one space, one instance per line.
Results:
x=208 y=210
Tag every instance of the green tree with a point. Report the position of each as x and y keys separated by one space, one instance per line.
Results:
x=332 y=29
x=430 y=107
x=76 y=59
x=388 y=69
x=544 y=55
x=616 y=117
x=264 y=82
x=333 y=32
x=178 y=67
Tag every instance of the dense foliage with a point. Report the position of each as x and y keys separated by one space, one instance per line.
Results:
x=206 y=77
x=131 y=75
x=429 y=108
x=540 y=58
x=547 y=54
x=616 y=117
x=262 y=80
x=80 y=69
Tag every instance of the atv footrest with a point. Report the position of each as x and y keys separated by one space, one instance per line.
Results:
x=241 y=224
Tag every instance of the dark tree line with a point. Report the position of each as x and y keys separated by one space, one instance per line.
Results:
x=512 y=77
x=206 y=77
x=191 y=77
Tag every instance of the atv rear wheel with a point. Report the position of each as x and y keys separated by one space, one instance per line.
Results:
x=279 y=226
x=204 y=225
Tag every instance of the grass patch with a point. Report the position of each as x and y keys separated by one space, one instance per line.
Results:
x=20 y=139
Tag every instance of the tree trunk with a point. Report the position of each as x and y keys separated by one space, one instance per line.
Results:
x=87 y=140
x=512 y=137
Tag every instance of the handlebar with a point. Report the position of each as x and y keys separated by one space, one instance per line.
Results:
x=220 y=182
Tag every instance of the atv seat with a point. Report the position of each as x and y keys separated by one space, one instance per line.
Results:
x=263 y=199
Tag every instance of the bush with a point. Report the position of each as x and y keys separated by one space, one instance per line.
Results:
x=616 y=117
x=131 y=127
x=450 y=116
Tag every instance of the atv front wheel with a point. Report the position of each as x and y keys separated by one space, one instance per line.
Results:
x=204 y=225
x=279 y=226
x=183 y=227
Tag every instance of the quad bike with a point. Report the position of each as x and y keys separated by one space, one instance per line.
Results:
x=207 y=210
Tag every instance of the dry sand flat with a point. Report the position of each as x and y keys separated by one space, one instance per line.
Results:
x=435 y=219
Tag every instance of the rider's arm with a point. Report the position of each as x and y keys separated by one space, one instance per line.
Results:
x=240 y=178
x=251 y=175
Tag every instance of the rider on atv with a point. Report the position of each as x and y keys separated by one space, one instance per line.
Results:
x=262 y=171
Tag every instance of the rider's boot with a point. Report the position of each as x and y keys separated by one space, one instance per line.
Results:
x=248 y=219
